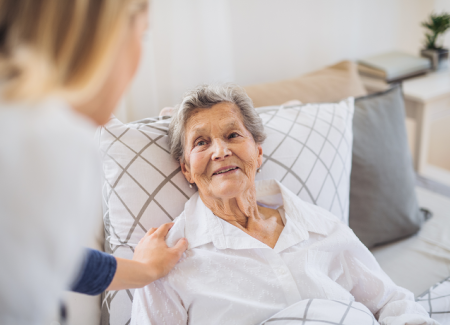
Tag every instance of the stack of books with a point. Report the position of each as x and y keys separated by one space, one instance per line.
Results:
x=393 y=66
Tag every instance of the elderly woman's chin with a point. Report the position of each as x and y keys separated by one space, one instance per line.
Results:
x=230 y=184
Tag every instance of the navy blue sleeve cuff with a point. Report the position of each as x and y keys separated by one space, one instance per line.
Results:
x=97 y=273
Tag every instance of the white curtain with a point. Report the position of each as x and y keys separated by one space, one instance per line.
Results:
x=188 y=43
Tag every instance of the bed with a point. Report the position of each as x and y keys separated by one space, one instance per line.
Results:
x=420 y=263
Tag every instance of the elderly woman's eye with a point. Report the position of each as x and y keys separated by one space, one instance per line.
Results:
x=233 y=135
x=200 y=143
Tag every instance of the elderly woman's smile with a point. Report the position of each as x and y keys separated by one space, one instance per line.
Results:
x=224 y=170
x=220 y=154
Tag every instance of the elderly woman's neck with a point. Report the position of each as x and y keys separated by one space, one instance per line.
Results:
x=237 y=210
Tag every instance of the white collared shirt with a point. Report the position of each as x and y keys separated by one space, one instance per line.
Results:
x=229 y=277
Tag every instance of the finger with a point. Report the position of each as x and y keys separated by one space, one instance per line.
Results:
x=163 y=229
x=181 y=246
x=151 y=231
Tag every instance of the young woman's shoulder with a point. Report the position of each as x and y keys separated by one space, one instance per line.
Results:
x=48 y=125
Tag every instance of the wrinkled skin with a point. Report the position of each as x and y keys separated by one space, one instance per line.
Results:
x=216 y=138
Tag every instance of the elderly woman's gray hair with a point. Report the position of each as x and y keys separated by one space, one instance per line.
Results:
x=207 y=96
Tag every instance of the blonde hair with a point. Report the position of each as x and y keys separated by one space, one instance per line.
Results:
x=63 y=47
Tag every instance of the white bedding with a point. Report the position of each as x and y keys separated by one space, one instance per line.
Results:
x=416 y=263
x=436 y=232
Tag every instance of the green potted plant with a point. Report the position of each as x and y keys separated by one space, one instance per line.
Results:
x=436 y=26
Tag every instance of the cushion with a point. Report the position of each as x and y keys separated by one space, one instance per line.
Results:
x=322 y=311
x=327 y=85
x=308 y=149
x=436 y=301
x=383 y=203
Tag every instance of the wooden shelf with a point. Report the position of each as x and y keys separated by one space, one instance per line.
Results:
x=427 y=101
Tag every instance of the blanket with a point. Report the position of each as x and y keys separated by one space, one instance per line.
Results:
x=321 y=311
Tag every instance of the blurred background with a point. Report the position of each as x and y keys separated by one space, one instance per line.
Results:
x=254 y=41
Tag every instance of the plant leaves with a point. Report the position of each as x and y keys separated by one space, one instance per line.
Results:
x=437 y=24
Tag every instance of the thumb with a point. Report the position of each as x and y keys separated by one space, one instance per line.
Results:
x=181 y=246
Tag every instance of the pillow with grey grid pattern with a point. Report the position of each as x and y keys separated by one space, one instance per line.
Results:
x=322 y=311
x=308 y=149
x=436 y=301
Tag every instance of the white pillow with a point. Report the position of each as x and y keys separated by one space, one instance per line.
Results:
x=143 y=188
x=436 y=301
x=308 y=149
x=323 y=311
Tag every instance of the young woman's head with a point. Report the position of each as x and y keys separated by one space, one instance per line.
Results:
x=85 y=51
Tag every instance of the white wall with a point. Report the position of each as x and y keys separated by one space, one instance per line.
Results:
x=253 y=41
x=279 y=39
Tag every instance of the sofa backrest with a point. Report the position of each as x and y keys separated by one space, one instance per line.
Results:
x=330 y=84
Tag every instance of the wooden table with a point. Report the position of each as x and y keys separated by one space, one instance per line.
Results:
x=427 y=99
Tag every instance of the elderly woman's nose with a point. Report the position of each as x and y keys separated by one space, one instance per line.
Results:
x=220 y=150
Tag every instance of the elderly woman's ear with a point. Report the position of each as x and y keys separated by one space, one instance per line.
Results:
x=186 y=171
x=260 y=155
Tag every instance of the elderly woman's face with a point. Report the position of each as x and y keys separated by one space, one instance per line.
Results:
x=220 y=155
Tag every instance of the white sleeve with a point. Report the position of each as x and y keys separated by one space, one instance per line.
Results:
x=371 y=286
x=158 y=303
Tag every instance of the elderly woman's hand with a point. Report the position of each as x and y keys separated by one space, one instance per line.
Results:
x=152 y=260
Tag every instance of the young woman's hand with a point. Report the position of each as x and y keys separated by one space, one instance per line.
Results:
x=152 y=260
x=153 y=253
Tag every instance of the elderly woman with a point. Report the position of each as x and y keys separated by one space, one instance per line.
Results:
x=254 y=248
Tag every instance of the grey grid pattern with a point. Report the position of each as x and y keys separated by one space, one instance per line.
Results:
x=308 y=149
x=127 y=155
x=319 y=311
x=145 y=188
x=436 y=301
x=136 y=161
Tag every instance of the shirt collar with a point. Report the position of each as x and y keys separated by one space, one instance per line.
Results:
x=203 y=227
